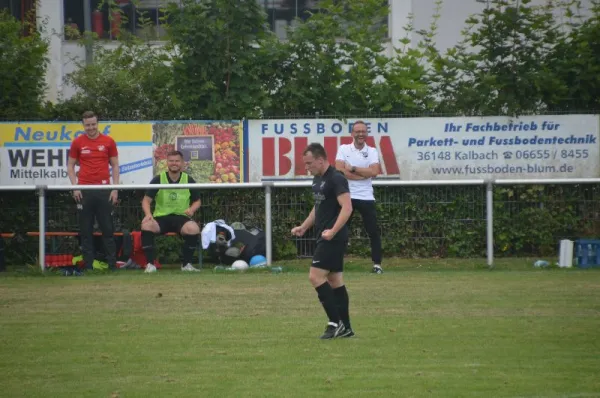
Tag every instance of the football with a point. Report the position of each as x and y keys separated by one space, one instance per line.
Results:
x=240 y=265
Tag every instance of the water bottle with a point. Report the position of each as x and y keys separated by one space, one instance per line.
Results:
x=220 y=268
x=276 y=270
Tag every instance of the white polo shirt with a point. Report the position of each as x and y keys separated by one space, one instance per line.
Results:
x=365 y=157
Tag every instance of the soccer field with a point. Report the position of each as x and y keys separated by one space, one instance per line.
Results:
x=447 y=331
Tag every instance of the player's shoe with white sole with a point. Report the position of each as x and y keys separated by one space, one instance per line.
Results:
x=377 y=269
x=189 y=268
x=332 y=331
x=150 y=268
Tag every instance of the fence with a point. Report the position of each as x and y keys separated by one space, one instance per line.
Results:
x=421 y=218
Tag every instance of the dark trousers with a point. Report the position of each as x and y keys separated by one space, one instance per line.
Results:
x=368 y=212
x=96 y=206
x=2 y=265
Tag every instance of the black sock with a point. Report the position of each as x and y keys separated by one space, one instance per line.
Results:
x=327 y=299
x=148 y=246
x=190 y=242
x=342 y=301
x=2 y=266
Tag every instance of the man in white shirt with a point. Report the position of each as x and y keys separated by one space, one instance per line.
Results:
x=360 y=163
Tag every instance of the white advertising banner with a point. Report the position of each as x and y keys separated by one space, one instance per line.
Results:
x=565 y=146
x=37 y=153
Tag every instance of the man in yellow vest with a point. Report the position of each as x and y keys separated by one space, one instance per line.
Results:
x=172 y=213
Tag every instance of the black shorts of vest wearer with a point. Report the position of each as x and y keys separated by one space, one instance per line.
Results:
x=329 y=255
x=171 y=223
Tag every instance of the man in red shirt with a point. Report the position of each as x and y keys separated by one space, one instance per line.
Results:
x=94 y=152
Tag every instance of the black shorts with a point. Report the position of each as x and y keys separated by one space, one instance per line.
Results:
x=172 y=223
x=329 y=255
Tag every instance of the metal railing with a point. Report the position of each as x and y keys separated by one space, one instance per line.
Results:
x=271 y=186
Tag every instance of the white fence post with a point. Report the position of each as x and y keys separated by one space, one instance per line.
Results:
x=268 y=223
x=42 y=226
x=490 y=222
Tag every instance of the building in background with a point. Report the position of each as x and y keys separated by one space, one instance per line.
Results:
x=67 y=19
x=20 y=9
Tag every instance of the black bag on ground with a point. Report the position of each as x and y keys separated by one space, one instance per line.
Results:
x=216 y=250
x=251 y=242
x=248 y=243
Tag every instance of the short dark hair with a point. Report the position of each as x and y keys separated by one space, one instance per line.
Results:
x=358 y=122
x=317 y=150
x=175 y=153
x=88 y=115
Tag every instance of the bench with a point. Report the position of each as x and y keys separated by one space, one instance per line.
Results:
x=59 y=260
x=55 y=234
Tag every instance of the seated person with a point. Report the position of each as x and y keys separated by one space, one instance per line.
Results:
x=172 y=213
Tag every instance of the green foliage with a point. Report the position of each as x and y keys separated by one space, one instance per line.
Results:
x=23 y=61
x=335 y=63
x=415 y=221
x=131 y=82
x=510 y=69
x=225 y=56
x=577 y=63
x=224 y=63
x=527 y=219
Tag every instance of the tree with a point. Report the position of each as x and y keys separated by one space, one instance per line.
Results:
x=131 y=82
x=334 y=62
x=309 y=73
x=407 y=87
x=23 y=62
x=577 y=58
x=337 y=63
x=226 y=56
x=510 y=70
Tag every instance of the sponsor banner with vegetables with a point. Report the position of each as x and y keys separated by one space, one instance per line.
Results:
x=211 y=149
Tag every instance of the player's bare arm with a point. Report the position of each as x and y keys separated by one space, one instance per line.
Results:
x=341 y=166
x=71 y=170
x=114 y=163
x=193 y=208
x=146 y=202
x=309 y=222
x=368 y=172
x=346 y=211
x=73 y=177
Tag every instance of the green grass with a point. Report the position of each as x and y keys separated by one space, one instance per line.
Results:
x=465 y=332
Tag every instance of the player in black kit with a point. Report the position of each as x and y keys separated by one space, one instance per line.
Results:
x=329 y=215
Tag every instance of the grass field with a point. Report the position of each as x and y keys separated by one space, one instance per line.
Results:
x=444 y=328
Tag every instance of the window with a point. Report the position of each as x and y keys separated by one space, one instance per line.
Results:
x=281 y=14
x=142 y=18
x=20 y=9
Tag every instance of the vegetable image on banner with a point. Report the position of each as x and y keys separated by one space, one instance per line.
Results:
x=211 y=149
